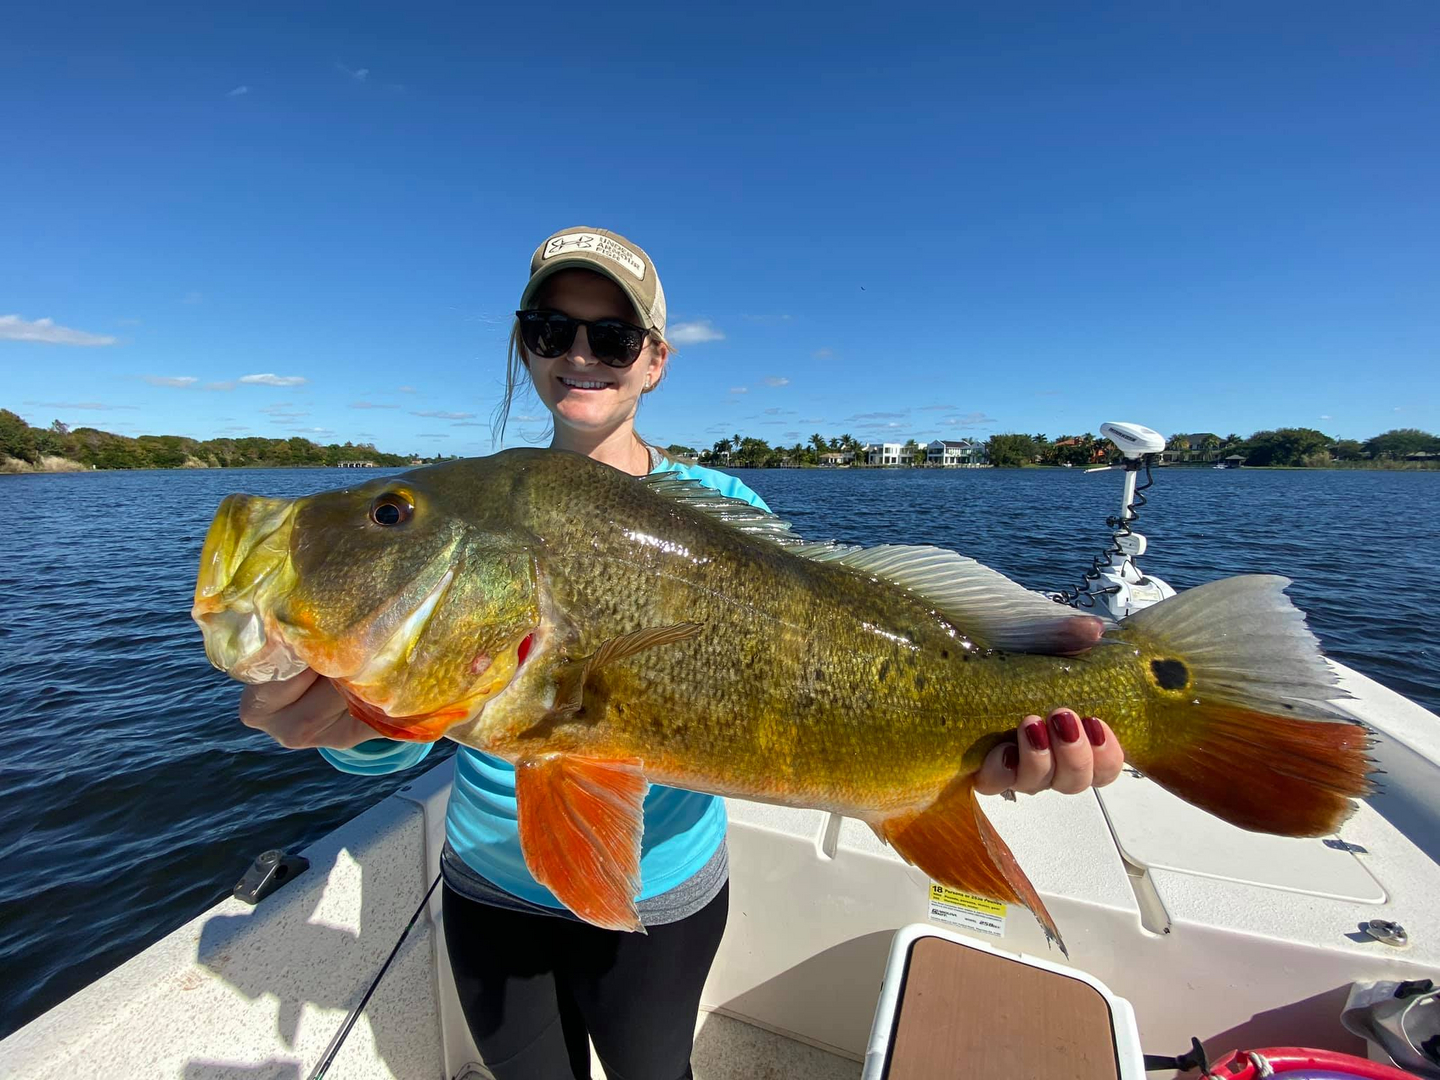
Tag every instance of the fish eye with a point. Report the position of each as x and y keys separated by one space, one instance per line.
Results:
x=392 y=508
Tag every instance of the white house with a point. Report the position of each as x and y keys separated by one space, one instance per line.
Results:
x=954 y=454
x=890 y=453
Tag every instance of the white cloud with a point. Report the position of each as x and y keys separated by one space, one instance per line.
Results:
x=171 y=380
x=424 y=436
x=358 y=74
x=79 y=405
x=371 y=405
x=14 y=328
x=739 y=389
x=407 y=389
x=194 y=296
x=1326 y=416
x=268 y=379
x=436 y=414
x=937 y=408
x=238 y=91
x=822 y=354
x=974 y=419
x=693 y=333
x=472 y=423
x=529 y=419
x=777 y=380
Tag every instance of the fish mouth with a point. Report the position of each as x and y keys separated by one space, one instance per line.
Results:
x=244 y=565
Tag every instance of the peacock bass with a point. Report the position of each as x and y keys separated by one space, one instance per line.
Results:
x=603 y=632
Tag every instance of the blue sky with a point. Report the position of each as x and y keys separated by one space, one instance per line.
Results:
x=893 y=222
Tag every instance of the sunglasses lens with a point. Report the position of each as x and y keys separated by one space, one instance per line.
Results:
x=615 y=343
x=546 y=334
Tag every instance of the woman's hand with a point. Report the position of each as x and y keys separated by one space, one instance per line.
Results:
x=302 y=711
x=1067 y=754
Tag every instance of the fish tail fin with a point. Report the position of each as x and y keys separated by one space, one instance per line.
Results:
x=954 y=842
x=1243 y=721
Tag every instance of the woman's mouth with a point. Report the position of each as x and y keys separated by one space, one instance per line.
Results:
x=583 y=384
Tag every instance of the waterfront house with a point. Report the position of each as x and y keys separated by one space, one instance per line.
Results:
x=952 y=454
x=890 y=453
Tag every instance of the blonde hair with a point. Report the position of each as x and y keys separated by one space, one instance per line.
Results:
x=517 y=371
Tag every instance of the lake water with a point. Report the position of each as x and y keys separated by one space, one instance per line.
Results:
x=131 y=797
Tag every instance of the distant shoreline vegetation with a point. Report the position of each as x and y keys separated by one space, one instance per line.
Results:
x=58 y=448
x=1297 y=448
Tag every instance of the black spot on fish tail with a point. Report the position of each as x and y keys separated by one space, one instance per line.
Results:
x=819 y=675
x=1170 y=674
x=919 y=681
x=944 y=654
x=885 y=668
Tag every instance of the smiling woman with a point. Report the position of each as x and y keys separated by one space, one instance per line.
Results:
x=577 y=340
x=538 y=984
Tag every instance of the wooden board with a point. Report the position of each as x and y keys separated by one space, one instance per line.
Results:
x=969 y=1014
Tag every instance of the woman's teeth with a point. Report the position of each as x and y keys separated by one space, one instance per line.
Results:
x=583 y=384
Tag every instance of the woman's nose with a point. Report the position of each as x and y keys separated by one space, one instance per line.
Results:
x=580 y=347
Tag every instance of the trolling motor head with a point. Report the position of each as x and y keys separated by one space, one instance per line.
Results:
x=1134 y=440
x=1114 y=581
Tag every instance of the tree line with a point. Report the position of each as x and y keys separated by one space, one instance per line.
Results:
x=1296 y=447
x=90 y=446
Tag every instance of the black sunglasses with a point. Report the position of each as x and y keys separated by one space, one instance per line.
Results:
x=551 y=333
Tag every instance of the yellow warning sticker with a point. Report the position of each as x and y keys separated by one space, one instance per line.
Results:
x=966 y=910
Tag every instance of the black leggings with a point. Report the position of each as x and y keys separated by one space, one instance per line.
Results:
x=533 y=987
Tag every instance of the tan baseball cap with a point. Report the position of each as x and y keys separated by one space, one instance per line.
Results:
x=606 y=253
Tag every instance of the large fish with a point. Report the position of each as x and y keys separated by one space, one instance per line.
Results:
x=603 y=632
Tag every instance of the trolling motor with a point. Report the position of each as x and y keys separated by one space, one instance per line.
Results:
x=1119 y=586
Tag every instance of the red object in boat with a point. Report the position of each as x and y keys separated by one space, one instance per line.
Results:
x=1297 y=1062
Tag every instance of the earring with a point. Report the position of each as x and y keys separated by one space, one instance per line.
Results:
x=647 y=384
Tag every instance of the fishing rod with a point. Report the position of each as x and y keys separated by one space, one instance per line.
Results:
x=334 y=1048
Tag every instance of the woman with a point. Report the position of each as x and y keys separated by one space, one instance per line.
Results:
x=533 y=980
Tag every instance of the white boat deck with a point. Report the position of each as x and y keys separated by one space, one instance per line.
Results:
x=1206 y=930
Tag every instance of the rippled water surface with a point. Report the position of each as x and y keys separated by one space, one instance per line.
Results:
x=131 y=797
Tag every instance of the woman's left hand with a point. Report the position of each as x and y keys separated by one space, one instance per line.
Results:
x=1067 y=753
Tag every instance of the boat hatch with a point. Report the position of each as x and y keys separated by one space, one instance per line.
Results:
x=1157 y=831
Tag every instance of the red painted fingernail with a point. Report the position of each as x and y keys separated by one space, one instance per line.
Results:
x=1010 y=758
x=1038 y=736
x=1094 y=730
x=1066 y=725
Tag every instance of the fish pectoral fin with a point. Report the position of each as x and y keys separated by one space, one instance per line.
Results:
x=580 y=822
x=953 y=842
x=570 y=693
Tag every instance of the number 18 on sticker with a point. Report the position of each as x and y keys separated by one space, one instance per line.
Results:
x=967 y=910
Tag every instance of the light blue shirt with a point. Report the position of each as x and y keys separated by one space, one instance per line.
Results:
x=683 y=829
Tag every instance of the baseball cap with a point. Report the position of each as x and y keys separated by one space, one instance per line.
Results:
x=606 y=253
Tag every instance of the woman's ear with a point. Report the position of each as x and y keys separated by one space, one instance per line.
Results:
x=658 y=361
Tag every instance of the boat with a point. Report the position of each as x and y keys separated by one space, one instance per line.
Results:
x=1191 y=928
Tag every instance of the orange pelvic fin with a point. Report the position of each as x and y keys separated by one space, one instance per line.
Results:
x=570 y=694
x=953 y=842
x=427 y=728
x=580 y=824
x=1262 y=772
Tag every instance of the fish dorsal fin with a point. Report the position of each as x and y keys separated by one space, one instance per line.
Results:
x=737 y=513
x=986 y=605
